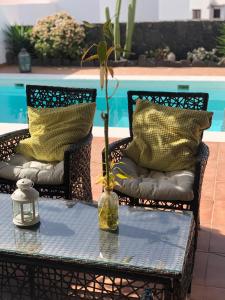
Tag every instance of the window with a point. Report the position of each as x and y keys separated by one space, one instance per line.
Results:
x=196 y=14
x=216 y=13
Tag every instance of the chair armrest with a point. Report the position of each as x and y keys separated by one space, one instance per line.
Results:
x=9 y=141
x=77 y=169
x=201 y=162
x=203 y=154
x=202 y=158
x=115 y=151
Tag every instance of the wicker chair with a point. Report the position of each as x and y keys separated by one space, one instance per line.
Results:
x=77 y=181
x=195 y=101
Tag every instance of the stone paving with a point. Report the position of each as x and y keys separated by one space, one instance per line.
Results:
x=132 y=71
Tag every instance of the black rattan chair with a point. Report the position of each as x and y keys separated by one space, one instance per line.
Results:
x=77 y=181
x=195 y=101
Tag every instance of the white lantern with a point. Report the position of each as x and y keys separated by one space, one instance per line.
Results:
x=25 y=204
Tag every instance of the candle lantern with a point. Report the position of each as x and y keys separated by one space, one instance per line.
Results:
x=24 y=61
x=25 y=204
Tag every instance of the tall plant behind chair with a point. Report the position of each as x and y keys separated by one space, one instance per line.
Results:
x=102 y=55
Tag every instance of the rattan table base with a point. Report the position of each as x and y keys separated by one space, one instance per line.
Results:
x=27 y=272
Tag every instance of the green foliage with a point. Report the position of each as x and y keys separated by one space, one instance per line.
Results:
x=200 y=54
x=221 y=40
x=18 y=37
x=58 y=36
x=116 y=28
x=101 y=52
x=158 y=53
x=107 y=14
x=129 y=28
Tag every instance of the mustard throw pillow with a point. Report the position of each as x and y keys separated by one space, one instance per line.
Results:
x=53 y=129
x=166 y=138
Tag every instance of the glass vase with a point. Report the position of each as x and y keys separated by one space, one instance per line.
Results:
x=108 y=217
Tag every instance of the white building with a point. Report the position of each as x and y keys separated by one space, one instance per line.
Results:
x=27 y=12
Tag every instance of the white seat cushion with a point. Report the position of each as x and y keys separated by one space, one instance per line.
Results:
x=154 y=185
x=18 y=167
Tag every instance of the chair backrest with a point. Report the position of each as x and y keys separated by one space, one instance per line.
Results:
x=40 y=96
x=195 y=101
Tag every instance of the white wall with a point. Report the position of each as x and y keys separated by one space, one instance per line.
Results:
x=146 y=10
x=3 y=21
x=203 y=5
x=81 y=10
x=222 y=12
x=24 y=14
x=174 y=10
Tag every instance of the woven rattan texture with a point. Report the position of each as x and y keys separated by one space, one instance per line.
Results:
x=68 y=257
x=46 y=283
x=194 y=101
x=198 y=101
x=147 y=240
x=51 y=96
x=77 y=179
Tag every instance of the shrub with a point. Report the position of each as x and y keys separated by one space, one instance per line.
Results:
x=159 y=53
x=221 y=40
x=200 y=54
x=58 y=36
x=18 y=37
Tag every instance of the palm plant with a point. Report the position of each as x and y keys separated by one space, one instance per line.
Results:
x=18 y=37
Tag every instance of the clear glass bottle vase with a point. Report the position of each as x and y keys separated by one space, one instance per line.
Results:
x=108 y=217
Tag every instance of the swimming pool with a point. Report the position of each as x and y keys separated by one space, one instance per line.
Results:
x=13 y=101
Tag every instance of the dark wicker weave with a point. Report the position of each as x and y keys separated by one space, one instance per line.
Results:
x=195 y=101
x=77 y=181
x=68 y=258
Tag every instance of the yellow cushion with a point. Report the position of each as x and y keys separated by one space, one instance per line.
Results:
x=166 y=138
x=53 y=129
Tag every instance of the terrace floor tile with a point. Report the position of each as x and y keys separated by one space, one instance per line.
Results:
x=215 y=274
x=199 y=273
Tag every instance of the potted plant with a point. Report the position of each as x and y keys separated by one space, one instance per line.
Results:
x=108 y=202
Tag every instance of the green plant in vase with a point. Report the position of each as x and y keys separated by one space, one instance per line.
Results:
x=108 y=202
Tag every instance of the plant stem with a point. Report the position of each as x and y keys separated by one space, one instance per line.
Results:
x=106 y=127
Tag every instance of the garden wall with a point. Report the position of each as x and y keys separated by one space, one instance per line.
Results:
x=180 y=36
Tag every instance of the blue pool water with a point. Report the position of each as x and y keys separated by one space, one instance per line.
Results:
x=13 y=102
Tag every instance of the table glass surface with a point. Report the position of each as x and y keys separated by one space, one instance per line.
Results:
x=147 y=241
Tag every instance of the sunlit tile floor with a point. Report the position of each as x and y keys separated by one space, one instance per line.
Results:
x=209 y=272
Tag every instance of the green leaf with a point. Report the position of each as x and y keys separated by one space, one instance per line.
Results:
x=86 y=52
x=115 y=88
x=102 y=50
x=110 y=51
x=110 y=69
x=121 y=176
x=108 y=30
x=92 y=57
x=102 y=76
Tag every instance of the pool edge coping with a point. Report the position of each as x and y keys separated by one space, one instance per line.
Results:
x=19 y=76
x=114 y=132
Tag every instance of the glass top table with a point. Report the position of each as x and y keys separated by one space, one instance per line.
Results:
x=148 y=241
